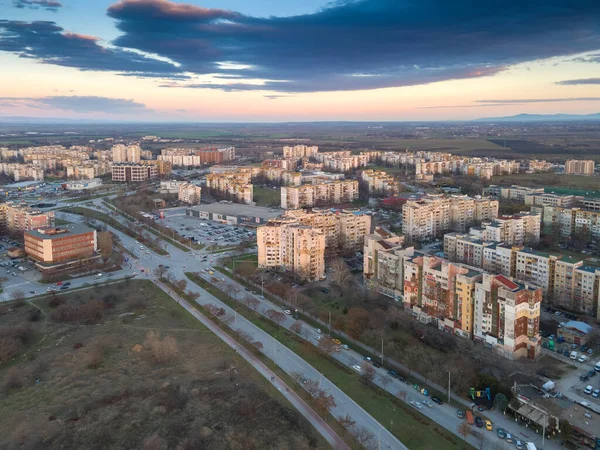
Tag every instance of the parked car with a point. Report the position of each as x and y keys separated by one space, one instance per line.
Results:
x=460 y=414
x=356 y=367
x=501 y=432
x=583 y=377
x=509 y=438
x=436 y=400
x=591 y=373
x=478 y=422
x=488 y=425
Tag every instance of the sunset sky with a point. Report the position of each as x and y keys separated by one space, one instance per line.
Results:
x=290 y=60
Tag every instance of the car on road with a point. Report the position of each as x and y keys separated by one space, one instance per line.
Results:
x=325 y=290
x=509 y=438
x=437 y=400
x=393 y=373
x=596 y=393
x=460 y=414
x=32 y=292
x=288 y=312
x=67 y=283
x=62 y=288
x=589 y=389
x=59 y=283
x=583 y=377
x=501 y=432
x=582 y=359
x=417 y=405
x=488 y=425
x=345 y=347
x=357 y=368
x=317 y=337
x=478 y=422
x=368 y=359
x=318 y=330
x=376 y=364
x=519 y=444
x=427 y=403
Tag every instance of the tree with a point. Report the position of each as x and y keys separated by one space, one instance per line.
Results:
x=296 y=327
x=291 y=297
x=412 y=355
x=500 y=402
x=346 y=421
x=480 y=438
x=356 y=322
x=341 y=275
x=464 y=429
x=18 y=296
x=327 y=344
x=325 y=402
x=160 y=271
x=181 y=285
x=275 y=316
x=367 y=372
x=105 y=244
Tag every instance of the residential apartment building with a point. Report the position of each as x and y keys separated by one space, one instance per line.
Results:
x=131 y=172
x=322 y=194
x=20 y=217
x=189 y=193
x=285 y=244
x=573 y=221
x=126 y=153
x=379 y=183
x=232 y=186
x=432 y=215
x=383 y=262
x=507 y=316
x=536 y=268
x=331 y=233
x=518 y=229
x=579 y=167
x=195 y=157
x=297 y=152
x=542 y=200
x=56 y=245
x=22 y=172
x=514 y=193
x=163 y=167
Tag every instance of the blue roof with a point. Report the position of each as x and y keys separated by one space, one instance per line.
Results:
x=581 y=326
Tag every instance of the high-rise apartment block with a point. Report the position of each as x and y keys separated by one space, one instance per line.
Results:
x=298 y=152
x=126 y=153
x=433 y=215
x=507 y=316
x=195 y=157
x=189 y=193
x=322 y=194
x=380 y=183
x=300 y=240
x=131 y=172
x=234 y=186
x=579 y=167
x=20 y=217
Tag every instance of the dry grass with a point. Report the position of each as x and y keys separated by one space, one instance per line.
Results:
x=144 y=378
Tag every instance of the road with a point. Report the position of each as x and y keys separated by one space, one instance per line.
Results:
x=320 y=425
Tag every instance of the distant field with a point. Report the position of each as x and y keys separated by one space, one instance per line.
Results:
x=551 y=181
x=267 y=196
x=92 y=376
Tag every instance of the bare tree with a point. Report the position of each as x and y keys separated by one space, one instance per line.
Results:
x=367 y=372
x=275 y=316
x=18 y=296
x=341 y=275
x=296 y=327
x=325 y=402
x=105 y=243
x=160 y=271
x=327 y=344
x=464 y=429
x=346 y=421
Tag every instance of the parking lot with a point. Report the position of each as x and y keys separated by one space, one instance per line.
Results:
x=208 y=232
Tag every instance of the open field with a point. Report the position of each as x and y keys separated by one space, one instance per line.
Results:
x=124 y=366
x=267 y=196
x=550 y=181
x=416 y=431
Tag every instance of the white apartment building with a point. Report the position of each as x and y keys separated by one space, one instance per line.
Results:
x=379 y=183
x=298 y=152
x=322 y=194
x=542 y=200
x=131 y=172
x=433 y=215
x=571 y=221
x=189 y=193
x=233 y=186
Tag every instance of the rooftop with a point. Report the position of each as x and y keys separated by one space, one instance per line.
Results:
x=238 y=209
x=581 y=326
x=59 y=232
x=22 y=185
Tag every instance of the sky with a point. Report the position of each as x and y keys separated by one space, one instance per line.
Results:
x=290 y=60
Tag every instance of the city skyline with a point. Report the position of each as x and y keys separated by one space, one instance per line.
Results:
x=235 y=61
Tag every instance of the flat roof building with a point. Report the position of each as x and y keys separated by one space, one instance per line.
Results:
x=233 y=213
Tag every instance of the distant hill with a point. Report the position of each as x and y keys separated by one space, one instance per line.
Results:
x=542 y=118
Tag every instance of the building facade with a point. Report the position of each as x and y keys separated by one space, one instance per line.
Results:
x=579 y=167
x=189 y=193
x=321 y=194
x=57 y=245
x=135 y=173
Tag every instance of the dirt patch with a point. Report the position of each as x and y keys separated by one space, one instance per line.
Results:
x=159 y=381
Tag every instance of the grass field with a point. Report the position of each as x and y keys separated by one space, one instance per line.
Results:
x=61 y=222
x=267 y=196
x=132 y=369
x=414 y=429
x=550 y=181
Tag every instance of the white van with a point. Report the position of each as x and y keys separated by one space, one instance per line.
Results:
x=597 y=367
x=573 y=355
x=589 y=389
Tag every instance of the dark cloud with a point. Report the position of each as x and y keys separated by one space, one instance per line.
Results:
x=348 y=45
x=48 y=43
x=360 y=44
x=79 y=104
x=580 y=81
x=541 y=100
x=50 y=5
